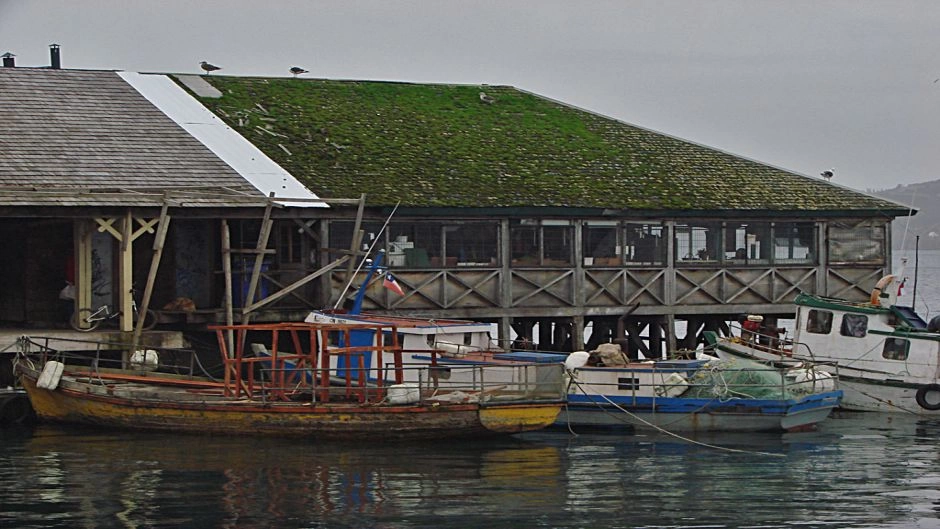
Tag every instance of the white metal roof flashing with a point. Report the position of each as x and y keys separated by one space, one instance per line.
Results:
x=230 y=146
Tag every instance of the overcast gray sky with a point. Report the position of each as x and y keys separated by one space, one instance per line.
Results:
x=803 y=85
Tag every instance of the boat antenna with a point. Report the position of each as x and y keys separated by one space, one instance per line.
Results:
x=916 y=267
x=362 y=263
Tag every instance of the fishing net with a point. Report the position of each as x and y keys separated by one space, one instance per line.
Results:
x=738 y=378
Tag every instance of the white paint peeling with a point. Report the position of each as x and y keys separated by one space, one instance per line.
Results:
x=241 y=155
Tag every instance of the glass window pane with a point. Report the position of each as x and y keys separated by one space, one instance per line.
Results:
x=524 y=245
x=854 y=325
x=557 y=243
x=795 y=243
x=697 y=243
x=472 y=244
x=819 y=322
x=644 y=244
x=896 y=349
x=747 y=243
x=601 y=247
x=863 y=242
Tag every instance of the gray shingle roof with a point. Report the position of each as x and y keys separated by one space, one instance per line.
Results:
x=91 y=130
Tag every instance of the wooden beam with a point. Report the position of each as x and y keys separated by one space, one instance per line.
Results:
x=295 y=285
x=356 y=240
x=126 y=275
x=158 y=244
x=227 y=273
x=263 y=235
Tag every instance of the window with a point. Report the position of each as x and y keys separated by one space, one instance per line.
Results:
x=794 y=243
x=896 y=349
x=697 y=243
x=601 y=247
x=863 y=242
x=854 y=325
x=643 y=244
x=747 y=243
x=819 y=321
x=341 y=235
x=471 y=244
x=541 y=243
x=414 y=245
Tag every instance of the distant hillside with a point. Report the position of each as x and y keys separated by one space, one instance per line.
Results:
x=926 y=223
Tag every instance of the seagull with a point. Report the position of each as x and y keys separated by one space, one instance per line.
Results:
x=297 y=70
x=208 y=67
x=486 y=99
x=827 y=174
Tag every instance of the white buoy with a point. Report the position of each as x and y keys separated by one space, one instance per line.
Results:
x=576 y=360
x=50 y=375
x=407 y=393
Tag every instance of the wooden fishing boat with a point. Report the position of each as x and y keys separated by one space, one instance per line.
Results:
x=887 y=358
x=678 y=395
x=269 y=396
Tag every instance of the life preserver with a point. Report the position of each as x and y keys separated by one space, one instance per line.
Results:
x=879 y=287
x=921 y=397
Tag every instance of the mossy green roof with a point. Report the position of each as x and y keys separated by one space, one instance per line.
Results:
x=441 y=146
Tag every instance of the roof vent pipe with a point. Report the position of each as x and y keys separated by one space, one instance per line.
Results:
x=56 y=61
x=8 y=60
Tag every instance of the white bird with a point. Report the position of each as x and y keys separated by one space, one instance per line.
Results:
x=297 y=70
x=208 y=67
x=486 y=99
x=827 y=174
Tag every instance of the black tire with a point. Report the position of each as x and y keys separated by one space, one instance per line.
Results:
x=82 y=315
x=15 y=410
x=150 y=320
x=923 y=402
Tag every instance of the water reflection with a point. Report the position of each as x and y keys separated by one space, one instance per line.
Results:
x=137 y=480
x=857 y=471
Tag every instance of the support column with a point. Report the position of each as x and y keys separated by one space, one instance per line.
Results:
x=577 y=333
x=82 y=236
x=126 y=273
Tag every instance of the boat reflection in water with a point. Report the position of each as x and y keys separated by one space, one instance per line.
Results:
x=856 y=470
x=155 y=479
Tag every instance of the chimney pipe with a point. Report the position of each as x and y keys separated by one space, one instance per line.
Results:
x=8 y=60
x=54 y=57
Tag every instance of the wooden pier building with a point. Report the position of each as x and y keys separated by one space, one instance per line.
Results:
x=565 y=227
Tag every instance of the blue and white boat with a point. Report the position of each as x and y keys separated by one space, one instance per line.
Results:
x=606 y=389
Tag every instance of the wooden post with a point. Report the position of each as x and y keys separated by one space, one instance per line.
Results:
x=158 y=243
x=82 y=238
x=259 y=260
x=227 y=273
x=126 y=275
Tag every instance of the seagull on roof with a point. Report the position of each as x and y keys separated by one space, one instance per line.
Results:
x=208 y=67
x=827 y=174
x=297 y=70
x=486 y=99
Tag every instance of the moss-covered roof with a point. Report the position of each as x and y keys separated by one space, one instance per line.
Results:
x=442 y=146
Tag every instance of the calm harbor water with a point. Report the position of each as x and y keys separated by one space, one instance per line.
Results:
x=857 y=470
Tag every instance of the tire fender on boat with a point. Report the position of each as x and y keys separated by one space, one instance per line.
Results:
x=879 y=287
x=921 y=397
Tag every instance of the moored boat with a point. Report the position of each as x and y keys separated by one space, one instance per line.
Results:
x=885 y=355
x=695 y=395
x=612 y=391
x=269 y=397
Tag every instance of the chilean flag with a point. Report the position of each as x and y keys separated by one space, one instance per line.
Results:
x=390 y=283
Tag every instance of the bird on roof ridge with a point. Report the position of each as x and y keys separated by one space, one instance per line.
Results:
x=486 y=99
x=297 y=70
x=208 y=68
x=828 y=174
